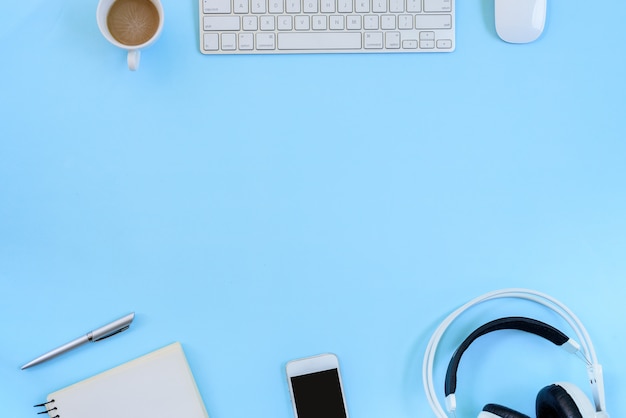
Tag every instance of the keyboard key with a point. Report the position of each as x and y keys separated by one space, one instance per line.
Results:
x=258 y=6
x=302 y=23
x=409 y=44
x=310 y=6
x=293 y=6
x=246 y=41
x=250 y=23
x=379 y=6
x=433 y=21
x=437 y=5
x=344 y=6
x=319 y=41
x=267 y=22
x=327 y=6
x=414 y=6
x=336 y=23
x=405 y=22
x=427 y=36
x=265 y=41
x=216 y=6
x=444 y=43
x=370 y=22
x=276 y=6
x=388 y=22
x=211 y=42
x=215 y=23
x=362 y=6
x=241 y=6
x=392 y=40
x=373 y=40
x=396 y=6
x=319 y=22
x=354 y=22
x=229 y=41
x=285 y=23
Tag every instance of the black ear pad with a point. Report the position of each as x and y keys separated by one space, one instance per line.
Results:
x=555 y=402
x=503 y=411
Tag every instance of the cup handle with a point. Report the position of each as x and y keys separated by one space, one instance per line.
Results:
x=133 y=59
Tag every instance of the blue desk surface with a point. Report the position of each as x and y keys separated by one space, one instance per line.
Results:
x=264 y=208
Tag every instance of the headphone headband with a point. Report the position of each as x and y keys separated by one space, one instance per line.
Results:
x=529 y=325
x=586 y=349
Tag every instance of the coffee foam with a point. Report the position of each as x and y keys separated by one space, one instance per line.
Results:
x=133 y=22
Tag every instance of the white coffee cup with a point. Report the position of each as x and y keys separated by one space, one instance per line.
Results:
x=134 y=50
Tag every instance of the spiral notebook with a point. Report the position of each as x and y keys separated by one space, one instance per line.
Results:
x=157 y=385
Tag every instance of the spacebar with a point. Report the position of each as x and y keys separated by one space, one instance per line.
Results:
x=319 y=41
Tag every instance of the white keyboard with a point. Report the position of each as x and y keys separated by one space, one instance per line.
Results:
x=325 y=26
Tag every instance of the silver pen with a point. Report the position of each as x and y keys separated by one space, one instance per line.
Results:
x=99 y=334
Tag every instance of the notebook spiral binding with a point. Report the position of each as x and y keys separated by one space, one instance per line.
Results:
x=48 y=410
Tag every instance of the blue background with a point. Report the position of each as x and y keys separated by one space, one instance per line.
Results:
x=264 y=208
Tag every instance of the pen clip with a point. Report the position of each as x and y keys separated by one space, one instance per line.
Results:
x=104 y=337
x=111 y=329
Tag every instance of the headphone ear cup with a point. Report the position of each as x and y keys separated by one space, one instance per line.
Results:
x=563 y=400
x=493 y=410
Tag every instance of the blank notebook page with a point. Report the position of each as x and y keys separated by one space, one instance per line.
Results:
x=159 y=384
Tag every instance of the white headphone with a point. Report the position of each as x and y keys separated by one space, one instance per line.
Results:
x=579 y=402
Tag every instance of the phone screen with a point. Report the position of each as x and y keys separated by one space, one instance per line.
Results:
x=318 y=395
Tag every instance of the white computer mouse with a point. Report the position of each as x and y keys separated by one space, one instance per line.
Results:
x=520 y=21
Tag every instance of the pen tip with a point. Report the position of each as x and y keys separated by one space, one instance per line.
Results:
x=27 y=365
